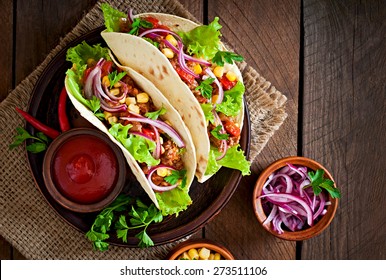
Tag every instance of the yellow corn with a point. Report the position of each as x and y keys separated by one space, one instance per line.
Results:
x=115 y=91
x=112 y=119
x=197 y=69
x=117 y=85
x=130 y=100
x=133 y=108
x=217 y=256
x=90 y=62
x=218 y=71
x=163 y=172
x=142 y=97
x=162 y=150
x=106 y=81
x=107 y=114
x=193 y=254
x=168 y=52
x=184 y=256
x=211 y=256
x=204 y=253
x=214 y=98
x=231 y=76
x=171 y=39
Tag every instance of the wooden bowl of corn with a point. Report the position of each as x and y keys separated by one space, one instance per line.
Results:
x=200 y=249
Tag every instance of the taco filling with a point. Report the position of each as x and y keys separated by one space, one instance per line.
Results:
x=207 y=70
x=131 y=117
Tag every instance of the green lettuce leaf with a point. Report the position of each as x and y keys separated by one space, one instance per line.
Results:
x=111 y=17
x=139 y=147
x=207 y=109
x=234 y=158
x=80 y=54
x=233 y=100
x=203 y=40
x=174 y=201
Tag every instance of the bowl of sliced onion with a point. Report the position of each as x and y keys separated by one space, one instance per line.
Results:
x=295 y=198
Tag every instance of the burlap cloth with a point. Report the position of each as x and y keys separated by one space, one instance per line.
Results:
x=29 y=223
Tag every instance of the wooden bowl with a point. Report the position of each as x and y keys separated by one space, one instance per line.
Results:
x=81 y=176
x=198 y=244
x=304 y=234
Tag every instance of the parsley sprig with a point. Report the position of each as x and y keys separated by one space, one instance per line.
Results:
x=206 y=88
x=141 y=216
x=318 y=183
x=218 y=135
x=137 y=24
x=115 y=77
x=154 y=115
x=40 y=141
x=175 y=176
x=228 y=57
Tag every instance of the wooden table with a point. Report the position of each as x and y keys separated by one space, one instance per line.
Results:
x=327 y=57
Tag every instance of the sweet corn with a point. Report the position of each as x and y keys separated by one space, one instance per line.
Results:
x=211 y=257
x=217 y=256
x=168 y=52
x=163 y=172
x=112 y=119
x=162 y=150
x=218 y=71
x=133 y=108
x=107 y=114
x=193 y=254
x=197 y=69
x=142 y=97
x=130 y=100
x=90 y=61
x=117 y=85
x=106 y=81
x=184 y=256
x=204 y=253
x=231 y=76
x=115 y=91
x=171 y=39
x=214 y=98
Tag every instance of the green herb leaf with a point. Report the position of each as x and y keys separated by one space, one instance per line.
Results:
x=40 y=141
x=175 y=176
x=145 y=240
x=94 y=104
x=115 y=77
x=228 y=57
x=154 y=43
x=137 y=24
x=318 y=182
x=36 y=147
x=154 y=115
x=218 y=135
x=206 y=88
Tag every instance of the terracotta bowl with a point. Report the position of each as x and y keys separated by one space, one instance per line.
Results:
x=197 y=244
x=306 y=233
x=73 y=170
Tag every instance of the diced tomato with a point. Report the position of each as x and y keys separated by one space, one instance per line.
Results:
x=185 y=76
x=148 y=132
x=232 y=128
x=153 y=21
x=106 y=67
x=226 y=84
x=87 y=72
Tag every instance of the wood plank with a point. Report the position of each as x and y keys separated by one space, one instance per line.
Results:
x=344 y=121
x=195 y=7
x=267 y=35
x=6 y=46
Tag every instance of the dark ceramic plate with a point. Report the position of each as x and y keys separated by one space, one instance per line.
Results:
x=208 y=198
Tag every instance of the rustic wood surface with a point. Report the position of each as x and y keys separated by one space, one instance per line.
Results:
x=327 y=57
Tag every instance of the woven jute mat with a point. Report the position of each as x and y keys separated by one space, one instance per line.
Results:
x=29 y=223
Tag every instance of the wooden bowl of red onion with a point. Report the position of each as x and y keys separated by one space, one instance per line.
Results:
x=295 y=198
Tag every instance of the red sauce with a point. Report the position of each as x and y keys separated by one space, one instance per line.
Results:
x=85 y=169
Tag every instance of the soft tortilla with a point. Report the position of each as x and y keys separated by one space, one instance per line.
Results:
x=189 y=157
x=147 y=60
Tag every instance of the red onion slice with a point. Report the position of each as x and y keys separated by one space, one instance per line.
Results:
x=160 y=188
x=157 y=150
x=220 y=89
x=160 y=30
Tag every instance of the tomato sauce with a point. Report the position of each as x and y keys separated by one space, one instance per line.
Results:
x=85 y=169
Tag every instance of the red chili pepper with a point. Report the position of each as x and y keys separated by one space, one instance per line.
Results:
x=63 y=119
x=50 y=132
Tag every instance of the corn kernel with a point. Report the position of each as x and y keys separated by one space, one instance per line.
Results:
x=217 y=256
x=162 y=150
x=231 y=76
x=163 y=172
x=133 y=108
x=115 y=91
x=142 y=97
x=106 y=81
x=122 y=101
x=130 y=100
x=197 y=69
x=117 y=85
x=214 y=98
x=112 y=119
x=171 y=39
x=107 y=114
x=218 y=71
x=193 y=254
x=184 y=256
x=168 y=52
x=211 y=256
x=91 y=62
x=204 y=253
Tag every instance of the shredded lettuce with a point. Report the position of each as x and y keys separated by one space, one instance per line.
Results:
x=139 y=147
x=112 y=17
x=234 y=158
x=174 y=201
x=233 y=100
x=204 y=40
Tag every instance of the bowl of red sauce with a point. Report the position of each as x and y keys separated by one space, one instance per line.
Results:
x=84 y=170
x=295 y=198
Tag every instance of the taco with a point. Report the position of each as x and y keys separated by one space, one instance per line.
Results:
x=139 y=119
x=188 y=63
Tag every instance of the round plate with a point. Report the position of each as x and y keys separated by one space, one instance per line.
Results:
x=208 y=198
